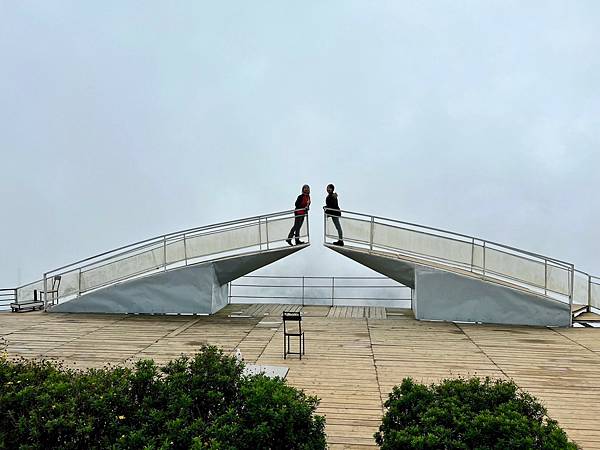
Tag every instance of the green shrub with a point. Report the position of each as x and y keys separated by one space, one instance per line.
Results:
x=467 y=414
x=203 y=402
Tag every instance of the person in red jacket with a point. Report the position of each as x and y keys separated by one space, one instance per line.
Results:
x=302 y=204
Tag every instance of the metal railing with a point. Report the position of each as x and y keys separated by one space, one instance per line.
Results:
x=7 y=296
x=178 y=249
x=489 y=260
x=319 y=290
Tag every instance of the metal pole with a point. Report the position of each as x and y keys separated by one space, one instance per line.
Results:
x=472 y=253
x=572 y=290
x=545 y=277
x=259 y=235
x=589 y=293
x=165 y=253
x=185 y=249
x=332 y=290
x=45 y=289
x=483 y=268
x=267 y=231
x=307 y=229
x=302 y=291
x=79 y=284
x=371 y=237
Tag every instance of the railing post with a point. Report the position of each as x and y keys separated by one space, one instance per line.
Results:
x=79 y=283
x=303 y=291
x=589 y=293
x=332 y=290
x=307 y=225
x=185 y=250
x=164 y=253
x=45 y=289
x=545 y=277
x=472 y=254
x=371 y=234
x=267 y=231
x=572 y=291
x=259 y=234
x=483 y=268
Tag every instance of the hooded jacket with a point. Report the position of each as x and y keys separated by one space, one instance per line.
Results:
x=331 y=205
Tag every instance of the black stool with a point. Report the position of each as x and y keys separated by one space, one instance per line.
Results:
x=294 y=331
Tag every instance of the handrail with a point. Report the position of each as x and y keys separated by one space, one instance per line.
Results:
x=456 y=234
x=178 y=233
x=8 y=296
x=299 y=291
x=152 y=254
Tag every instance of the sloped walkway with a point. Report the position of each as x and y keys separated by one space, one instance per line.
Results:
x=354 y=355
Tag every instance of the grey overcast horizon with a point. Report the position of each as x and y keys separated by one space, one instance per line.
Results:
x=120 y=121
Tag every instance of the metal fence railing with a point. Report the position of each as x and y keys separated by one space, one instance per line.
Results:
x=319 y=290
x=182 y=248
x=540 y=274
x=7 y=296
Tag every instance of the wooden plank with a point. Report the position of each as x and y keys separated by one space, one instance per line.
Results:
x=351 y=365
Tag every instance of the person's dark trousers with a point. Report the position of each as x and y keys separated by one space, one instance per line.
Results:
x=338 y=226
x=295 y=231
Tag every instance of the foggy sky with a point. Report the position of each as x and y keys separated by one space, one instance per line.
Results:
x=120 y=121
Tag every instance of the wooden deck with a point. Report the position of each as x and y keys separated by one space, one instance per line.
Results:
x=354 y=355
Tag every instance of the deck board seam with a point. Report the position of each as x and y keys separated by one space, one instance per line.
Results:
x=575 y=342
x=375 y=367
x=482 y=351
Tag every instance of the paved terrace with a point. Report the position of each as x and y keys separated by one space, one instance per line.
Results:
x=354 y=356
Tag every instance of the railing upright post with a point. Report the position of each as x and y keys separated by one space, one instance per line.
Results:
x=472 y=254
x=164 y=253
x=572 y=291
x=79 y=283
x=589 y=293
x=259 y=234
x=483 y=268
x=303 y=291
x=545 y=276
x=332 y=290
x=371 y=233
x=267 y=231
x=185 y=249
x=45 y=289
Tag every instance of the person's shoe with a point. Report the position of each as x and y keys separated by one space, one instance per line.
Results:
x=289 y=241
x=299 y=242
x=340 y=243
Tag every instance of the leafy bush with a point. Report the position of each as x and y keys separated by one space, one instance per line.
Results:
x=203 y=402
x=467 y=414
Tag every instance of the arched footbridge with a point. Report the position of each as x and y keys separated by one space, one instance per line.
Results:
x=186 y=272
x=456 y=277
x=453 y=277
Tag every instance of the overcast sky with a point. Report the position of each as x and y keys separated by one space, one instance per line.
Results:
x=124 y=120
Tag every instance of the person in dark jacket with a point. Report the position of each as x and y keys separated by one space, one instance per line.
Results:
x=332 y=209
x=302 y=204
